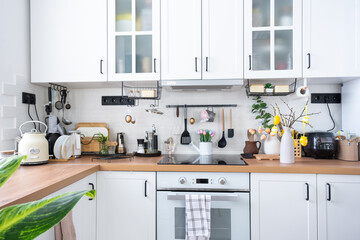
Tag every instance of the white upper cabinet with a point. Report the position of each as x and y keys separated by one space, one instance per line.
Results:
x=273 y=45
x=201 y=39
x=222 y=39
x=68 y=41
x=338 y=206
x=331 y=38
x=134 y=40
x=283 y=206
x=181 y=39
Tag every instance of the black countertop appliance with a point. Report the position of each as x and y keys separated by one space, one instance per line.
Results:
x=320 y=145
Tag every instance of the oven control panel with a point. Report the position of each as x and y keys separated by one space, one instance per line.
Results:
x=202 y=180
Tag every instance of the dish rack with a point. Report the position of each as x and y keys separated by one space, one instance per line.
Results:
x=62 y=159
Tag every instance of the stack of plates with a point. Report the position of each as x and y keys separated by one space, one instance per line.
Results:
x=62 y=143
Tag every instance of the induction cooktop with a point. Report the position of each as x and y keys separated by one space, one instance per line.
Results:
x=190 y=159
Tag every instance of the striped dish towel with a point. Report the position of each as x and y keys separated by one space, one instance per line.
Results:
x=198 y=217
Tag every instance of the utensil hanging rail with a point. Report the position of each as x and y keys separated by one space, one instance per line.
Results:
x=202 y=106
x=57 y=87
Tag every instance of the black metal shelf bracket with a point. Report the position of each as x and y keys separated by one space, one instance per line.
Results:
x=202 y=106
x=292 y=88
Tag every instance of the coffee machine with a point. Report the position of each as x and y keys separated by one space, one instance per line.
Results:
x=120 y=146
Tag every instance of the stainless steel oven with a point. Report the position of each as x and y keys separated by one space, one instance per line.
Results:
x=230 y=208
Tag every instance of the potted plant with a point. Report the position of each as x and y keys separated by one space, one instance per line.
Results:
x=205 y=145
x=269 y=88
x=103 y=146
x=29 y=220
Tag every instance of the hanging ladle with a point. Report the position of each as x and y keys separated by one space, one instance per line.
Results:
x=222 y=141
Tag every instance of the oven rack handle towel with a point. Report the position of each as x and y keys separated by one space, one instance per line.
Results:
x=198 y=207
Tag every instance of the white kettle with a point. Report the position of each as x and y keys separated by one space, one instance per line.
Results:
x=34 y=145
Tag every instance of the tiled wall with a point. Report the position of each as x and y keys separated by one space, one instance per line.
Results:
x=86 y=107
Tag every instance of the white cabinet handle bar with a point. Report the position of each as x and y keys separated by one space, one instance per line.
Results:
x=227 y=198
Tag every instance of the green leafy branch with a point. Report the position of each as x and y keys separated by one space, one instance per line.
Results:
x=101 y=138
x=259 y=108
x=29 y=220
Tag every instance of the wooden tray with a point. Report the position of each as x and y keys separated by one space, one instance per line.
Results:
x=267 y=156
x=148 y=154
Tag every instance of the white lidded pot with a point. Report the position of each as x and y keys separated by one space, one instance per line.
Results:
x=34 y=145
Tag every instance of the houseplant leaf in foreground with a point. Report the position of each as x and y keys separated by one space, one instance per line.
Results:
x=29 y=220
x=8 y=166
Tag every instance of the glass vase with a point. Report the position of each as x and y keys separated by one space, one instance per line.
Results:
x=104 y=148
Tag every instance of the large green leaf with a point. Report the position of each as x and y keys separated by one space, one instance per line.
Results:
x=8 y=166
x=29 y=220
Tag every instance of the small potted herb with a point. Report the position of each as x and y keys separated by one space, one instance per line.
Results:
x=104 y=147
x=269 y=88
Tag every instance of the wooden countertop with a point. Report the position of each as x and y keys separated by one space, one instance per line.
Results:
x=31 y=183
x=301 y=165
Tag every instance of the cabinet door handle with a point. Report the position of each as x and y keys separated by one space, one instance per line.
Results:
x=309 y=61
x=196 y=69
x=328 y=194
x=207 y=64
x=145 y=188
x=249 y=62
x=154 y=65
x=92 y=188
x=101 y=66
x=307 y=192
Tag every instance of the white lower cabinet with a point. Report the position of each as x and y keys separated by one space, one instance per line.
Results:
x=283 y=206
x=339 y=207
x=126 y=205
x=84 y=212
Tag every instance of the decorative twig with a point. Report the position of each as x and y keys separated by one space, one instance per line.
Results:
x=288 y=120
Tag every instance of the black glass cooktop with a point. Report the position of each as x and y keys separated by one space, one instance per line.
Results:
x=215 y=159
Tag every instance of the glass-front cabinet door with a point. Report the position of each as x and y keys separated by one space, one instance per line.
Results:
x=134 y=40
x=272 y=39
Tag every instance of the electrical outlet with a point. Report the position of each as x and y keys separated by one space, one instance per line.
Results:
x=117 y=100
x=326 y=98
x=28 y=98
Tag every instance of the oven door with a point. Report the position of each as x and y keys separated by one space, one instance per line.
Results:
x=230 y=218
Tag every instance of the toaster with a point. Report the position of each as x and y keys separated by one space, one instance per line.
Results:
x=320 y=145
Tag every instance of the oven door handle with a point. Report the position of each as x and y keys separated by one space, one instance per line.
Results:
x=222 y=198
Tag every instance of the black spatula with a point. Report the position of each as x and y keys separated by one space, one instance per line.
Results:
x=185 y=136
x=230 y=130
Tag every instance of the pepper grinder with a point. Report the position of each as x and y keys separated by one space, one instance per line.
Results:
x=120 y=147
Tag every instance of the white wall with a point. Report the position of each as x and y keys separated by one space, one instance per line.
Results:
x=350 y=109
x=86 y=107
x=15 y=70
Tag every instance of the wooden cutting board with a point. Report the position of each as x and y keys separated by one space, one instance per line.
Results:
x=267 y=156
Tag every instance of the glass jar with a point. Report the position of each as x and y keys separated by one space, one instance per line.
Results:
x=140 y=148
x=5 y=154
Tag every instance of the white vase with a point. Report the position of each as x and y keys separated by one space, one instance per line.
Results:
x=205 y=148
x=287 y=147
x=272 y=145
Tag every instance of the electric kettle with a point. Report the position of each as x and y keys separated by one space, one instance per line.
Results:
x=34 y=145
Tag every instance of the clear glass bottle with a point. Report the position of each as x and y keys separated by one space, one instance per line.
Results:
x=140 y=147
